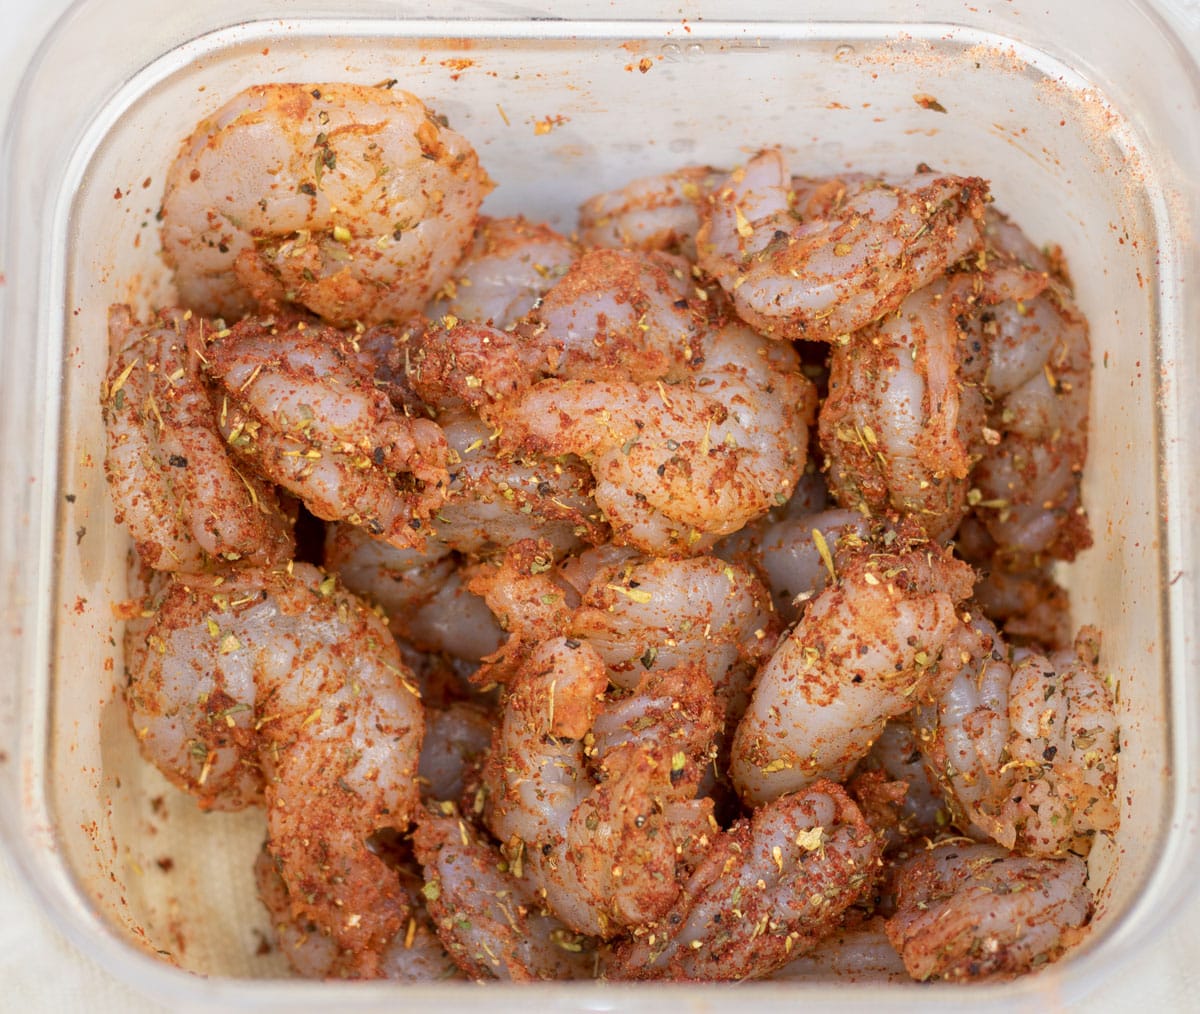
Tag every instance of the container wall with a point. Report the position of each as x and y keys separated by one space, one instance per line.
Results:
x=557 y=114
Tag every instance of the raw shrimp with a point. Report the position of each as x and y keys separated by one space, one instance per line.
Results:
x=788 y=545
x=489 y=918
x=1026 y=753
x=422 y=592
x=170 y=475
x=875 y=642
x=457 y=738
x=1038 y=377
x=856 y=954
x=817 y=259
x=496 y=499
x=768 y=890
x=414 y=955
x=900 y=428
x=975 y=912
x=355 y=202
x=650 y=213
x=647 y=614
x=506 y=270
x=678 y=466
x=601 y=852
x=896 y=755
x=276 y=686
x=297 y=402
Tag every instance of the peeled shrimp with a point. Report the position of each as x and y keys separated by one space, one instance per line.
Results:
x=276 y=686
x=866 y=649
x=678 y=466
x=975 y=912
x=489 y=919
x=298 y=404
x=900 y=428
x=422 y=592
x=457 y=738
x=650 y=213
x=768 y=890
x=415 y=954
x=508 y=267
x=601 y=852
x=647 y=614
x=856 y=954
x=172 y=480
x=355 y=202
x=817 y=259
x=896 y=756
x=1039 y=376
x=1026 y=753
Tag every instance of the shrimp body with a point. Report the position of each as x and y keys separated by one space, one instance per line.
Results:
x=1039 y=378
x=900 y=428
x=354 y=202
x=491 y=921
x=172 y=480
x=679 y=466
x=1026 y=753
x=650 y=213
x=769 y=889
x=975 y=912
x=816 y=259
x=299 y=405
x=508 y=267
x=866 y=649
x=600 y=852
x=421 y=590
x=275 y=686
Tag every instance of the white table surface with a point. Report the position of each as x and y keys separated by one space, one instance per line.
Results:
x=40 y=970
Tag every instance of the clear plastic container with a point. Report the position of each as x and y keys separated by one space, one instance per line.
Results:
x=1083 y=117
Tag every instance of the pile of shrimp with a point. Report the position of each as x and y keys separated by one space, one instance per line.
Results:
x=670 y=600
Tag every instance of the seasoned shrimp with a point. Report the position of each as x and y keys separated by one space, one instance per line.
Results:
x=901 y=429
x=509 y=267
x=866 y=649
x=275 y=686
x=171 y=478
x=422 y=592
x=650 y=213
x=975 y=912
x=678 y=466
x=858 y=954
x=648 y=614
x=601 y=852
x=488 y=917
x=768 y=890
x=1026 y=753
x=896 y=754
x=457 y=738
x=355 y=202
x=414 y=955
x=817 y=259
x=1038 y=377
x=298 y=404
x=788 y=546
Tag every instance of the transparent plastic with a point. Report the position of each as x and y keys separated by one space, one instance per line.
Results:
x=1086 y=127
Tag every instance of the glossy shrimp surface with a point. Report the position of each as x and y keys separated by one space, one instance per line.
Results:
x=1039 y=378
x=820 y=258
x=354 y=202
x=491 y=920
x=768 y=890
x=651 y=212
x=509 y=266
x=275 y=686
x=597 y=847
x=173 y=482
x=298 y=405
x=971 y=912
x=678 y=466
x=867 y=648
x=1027 y=752
x=901 y=428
